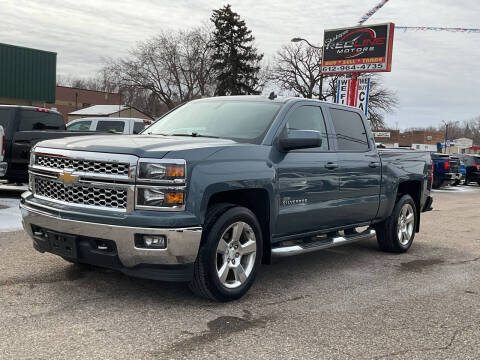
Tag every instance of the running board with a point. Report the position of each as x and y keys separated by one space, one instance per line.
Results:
x=283 y=251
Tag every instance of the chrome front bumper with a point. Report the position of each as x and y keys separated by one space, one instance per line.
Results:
x=182 y=243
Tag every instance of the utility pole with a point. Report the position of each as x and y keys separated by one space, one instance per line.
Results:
x=446 y=134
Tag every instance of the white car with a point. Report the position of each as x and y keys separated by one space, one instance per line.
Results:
x=109 y=124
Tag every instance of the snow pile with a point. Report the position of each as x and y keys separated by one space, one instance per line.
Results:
x=10 y=218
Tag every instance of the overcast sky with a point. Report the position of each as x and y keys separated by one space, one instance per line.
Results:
x=435 y=74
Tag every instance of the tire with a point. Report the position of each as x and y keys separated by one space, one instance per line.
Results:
x=466 y=181
x=221 y=272
x=389 y=231
x=456 y=183
x=436 y=184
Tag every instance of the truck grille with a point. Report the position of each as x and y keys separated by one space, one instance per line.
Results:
x=94 y=167
x=115 y=198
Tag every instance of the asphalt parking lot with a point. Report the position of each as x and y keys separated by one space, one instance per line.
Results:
x=347 y=302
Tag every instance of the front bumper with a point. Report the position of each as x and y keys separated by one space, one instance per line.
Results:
x=173 y=263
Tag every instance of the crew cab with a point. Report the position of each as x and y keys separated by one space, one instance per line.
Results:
x=24 y=126
x=109 y=124
x=217 y=186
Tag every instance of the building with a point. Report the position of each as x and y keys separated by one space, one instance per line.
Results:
x=68 y=99
x=389 y=138
x=108 y=111
x=27 y=76
x=421 y=137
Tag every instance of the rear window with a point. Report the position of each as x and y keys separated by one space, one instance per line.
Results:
x=351 y=133
x=39 y=120
x=138 y=127
x=110 y=126
x=5 y=118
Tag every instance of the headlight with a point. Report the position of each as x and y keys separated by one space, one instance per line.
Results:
x=164 y=171
x=161 y=184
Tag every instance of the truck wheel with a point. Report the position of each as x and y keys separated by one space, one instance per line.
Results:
x=229 y=255
x=436 y=184
x=396 y=234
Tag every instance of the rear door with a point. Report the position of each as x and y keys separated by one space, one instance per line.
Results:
x=359 y=167
x=307 y=178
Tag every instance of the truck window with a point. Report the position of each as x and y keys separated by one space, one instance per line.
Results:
x=138 y=127
x=39 y=120
x=5 y=118
x=80 y=126
x=309 y=118
x=110 y=126
x=351 y=133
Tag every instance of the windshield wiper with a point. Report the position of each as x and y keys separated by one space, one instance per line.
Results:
x=193 y=134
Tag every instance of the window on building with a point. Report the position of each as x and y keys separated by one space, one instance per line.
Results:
x=110 y=126
x=309 y=118
x=39 y=120
x=351 y=133
x=80 y=126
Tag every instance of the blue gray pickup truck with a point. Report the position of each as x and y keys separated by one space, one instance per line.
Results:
x=218 y=186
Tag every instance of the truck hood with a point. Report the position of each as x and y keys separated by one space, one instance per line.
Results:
x=154 y=146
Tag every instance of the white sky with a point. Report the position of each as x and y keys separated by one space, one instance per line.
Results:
x=436 y=74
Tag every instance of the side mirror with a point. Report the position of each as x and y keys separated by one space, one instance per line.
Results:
x=300 y=139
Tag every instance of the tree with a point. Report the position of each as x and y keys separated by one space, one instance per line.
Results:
x=235 y=59
x=173 y=67
x=296 y=70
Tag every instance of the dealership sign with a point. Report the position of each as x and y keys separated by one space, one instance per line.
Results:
x=358 y=49
x=361 y=89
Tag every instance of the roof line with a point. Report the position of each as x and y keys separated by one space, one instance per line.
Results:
x=77 y=88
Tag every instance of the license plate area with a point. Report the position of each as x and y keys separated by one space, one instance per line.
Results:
x=62 y=244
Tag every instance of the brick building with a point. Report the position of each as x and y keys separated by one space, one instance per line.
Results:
x=389 y=138
x=71 y=99
x=426 y=137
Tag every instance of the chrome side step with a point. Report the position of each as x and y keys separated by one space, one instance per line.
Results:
x=283 y=251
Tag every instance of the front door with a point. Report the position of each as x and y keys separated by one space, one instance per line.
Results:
x=307 y=178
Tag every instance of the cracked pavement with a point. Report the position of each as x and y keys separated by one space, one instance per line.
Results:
x=348 y=302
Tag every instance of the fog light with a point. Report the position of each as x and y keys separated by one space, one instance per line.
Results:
x=154 y=241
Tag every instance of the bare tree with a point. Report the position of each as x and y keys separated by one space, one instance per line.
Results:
x=172 y=67
x=297 y=71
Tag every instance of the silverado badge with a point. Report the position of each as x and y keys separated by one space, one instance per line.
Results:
x=67 y=177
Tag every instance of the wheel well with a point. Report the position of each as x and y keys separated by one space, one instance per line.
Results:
x=257 y=201
x=412 y=188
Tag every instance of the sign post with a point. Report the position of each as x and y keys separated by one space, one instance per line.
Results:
x=353 y=92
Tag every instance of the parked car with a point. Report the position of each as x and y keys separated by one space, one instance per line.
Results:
x=108 y=124
x=220 y=185
x=446 y=170
x=25 y=126
x=3 y=164
x=472 y=166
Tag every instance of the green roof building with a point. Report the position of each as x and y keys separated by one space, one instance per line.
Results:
x=27 y=76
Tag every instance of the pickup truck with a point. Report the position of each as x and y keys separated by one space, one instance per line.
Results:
x=219 y=186
x=109 y=124
x=25 y=126
x=446 y=170
x=472 y=168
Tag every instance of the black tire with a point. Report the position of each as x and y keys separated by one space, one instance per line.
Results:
x=436 y=184
x=206 y=282
x=387 y=231
x=466 y=181
x=456 y=183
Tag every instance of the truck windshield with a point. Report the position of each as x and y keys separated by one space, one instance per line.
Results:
x=242 y=121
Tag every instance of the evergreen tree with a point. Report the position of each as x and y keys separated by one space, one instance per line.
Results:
x=235 y=59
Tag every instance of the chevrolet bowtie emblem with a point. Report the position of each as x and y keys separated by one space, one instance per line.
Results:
x=67 y=177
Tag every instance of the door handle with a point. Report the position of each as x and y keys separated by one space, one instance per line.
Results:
x=373 y=164
x=331 y=166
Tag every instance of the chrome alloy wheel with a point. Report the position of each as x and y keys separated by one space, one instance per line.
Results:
x=406 y=222
x=236 y=253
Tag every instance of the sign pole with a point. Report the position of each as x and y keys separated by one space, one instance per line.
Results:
x=353 y=89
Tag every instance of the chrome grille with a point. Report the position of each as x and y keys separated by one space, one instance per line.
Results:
x=114 y=198
x=94 y=167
